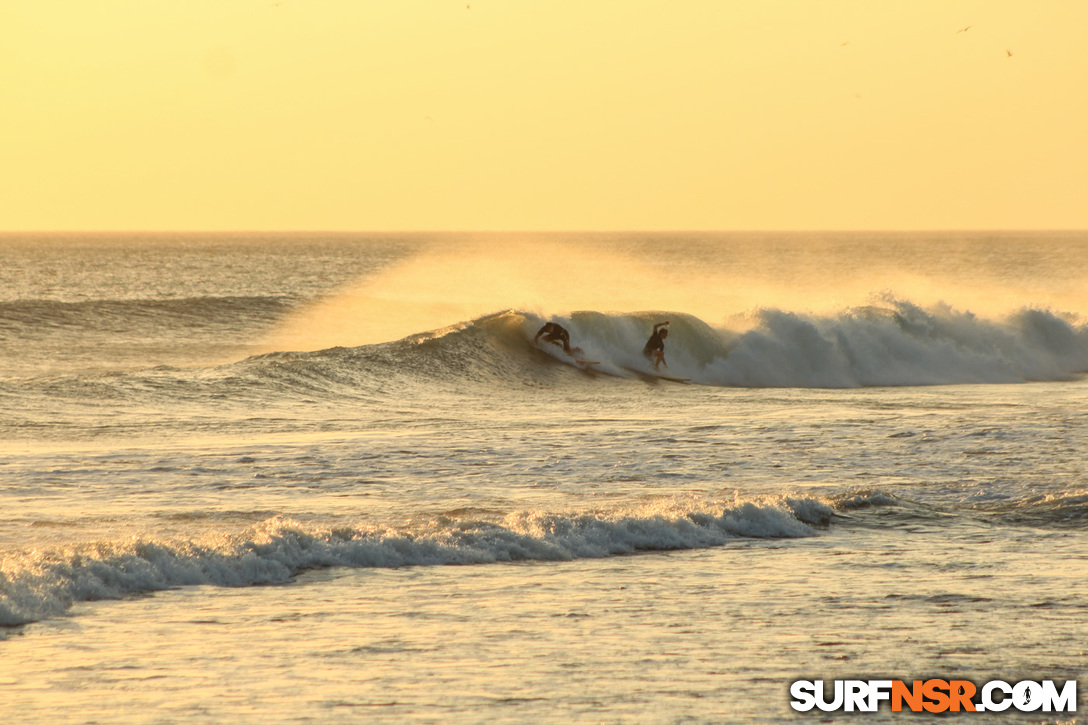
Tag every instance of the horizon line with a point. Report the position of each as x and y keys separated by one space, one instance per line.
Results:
x=745 y=230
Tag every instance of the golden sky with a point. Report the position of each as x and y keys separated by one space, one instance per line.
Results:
x=543 y=114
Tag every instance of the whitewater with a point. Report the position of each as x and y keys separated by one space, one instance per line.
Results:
x=284 y=477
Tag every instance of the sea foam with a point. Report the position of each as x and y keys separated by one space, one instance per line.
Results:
x=39 y=584
x=889 y=343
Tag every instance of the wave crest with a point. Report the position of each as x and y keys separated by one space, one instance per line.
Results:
x=42 y=584
x=891 y=343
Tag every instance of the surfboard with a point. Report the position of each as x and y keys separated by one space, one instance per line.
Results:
x=652 y=377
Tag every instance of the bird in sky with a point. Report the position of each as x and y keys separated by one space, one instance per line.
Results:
x=1008 y=53
x=964 y=30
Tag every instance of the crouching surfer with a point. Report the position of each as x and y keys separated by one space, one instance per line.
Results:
x=553 y=333
x=655 y=346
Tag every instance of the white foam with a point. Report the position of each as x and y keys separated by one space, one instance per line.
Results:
x=891 y=342
x=36 y=585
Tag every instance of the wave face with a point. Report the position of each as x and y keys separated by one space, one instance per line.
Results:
x=36 y=585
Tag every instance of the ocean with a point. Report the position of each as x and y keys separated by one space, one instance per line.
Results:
x=330 y=477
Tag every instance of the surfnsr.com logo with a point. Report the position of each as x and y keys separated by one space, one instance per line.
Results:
x=934 y=696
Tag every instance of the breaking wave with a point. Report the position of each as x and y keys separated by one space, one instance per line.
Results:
x=894 y=343
x=37 y=585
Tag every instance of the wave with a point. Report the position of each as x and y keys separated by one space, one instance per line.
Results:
x=21 y=316
x=1046 y=510
x=1059 y=509
x=887 y=344
x=38 y=585
x=895 y=343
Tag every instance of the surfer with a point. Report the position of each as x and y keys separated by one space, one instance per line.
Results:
x=655 y=346
x=551 y=332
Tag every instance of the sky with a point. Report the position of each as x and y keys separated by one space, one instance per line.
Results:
x=372 y=115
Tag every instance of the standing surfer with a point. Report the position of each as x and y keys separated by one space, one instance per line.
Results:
x=655 y=346
x=555 y=334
